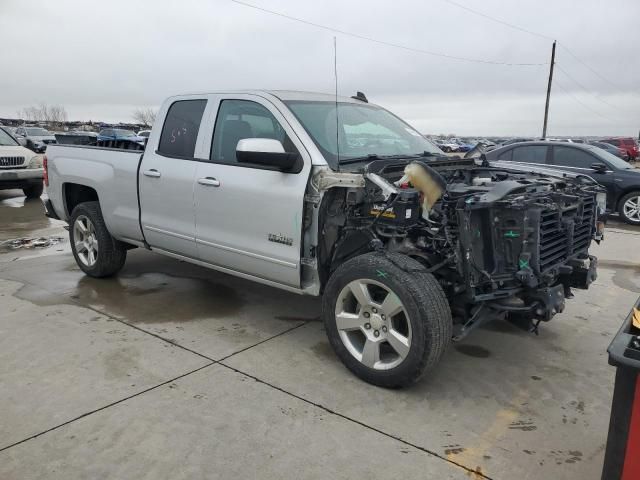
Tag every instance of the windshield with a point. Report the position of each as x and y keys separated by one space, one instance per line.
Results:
x=364 y=131
x=125 y=133
x=7 y=140
x=612 y=159
x=38 y=132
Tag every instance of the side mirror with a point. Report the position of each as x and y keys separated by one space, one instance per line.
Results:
x=266 y=152
x=599 y=167
x=22 y=141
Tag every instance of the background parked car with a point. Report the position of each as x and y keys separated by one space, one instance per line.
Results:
x=119 y=134
x=19 y=167
x=37 y=138
x=621 y=180
x=628 y=144
x=612 y=149
x=516 y=140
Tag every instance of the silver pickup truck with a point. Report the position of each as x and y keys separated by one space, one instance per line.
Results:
x=337 y=197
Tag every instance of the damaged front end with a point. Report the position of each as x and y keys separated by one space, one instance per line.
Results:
x=501 y=242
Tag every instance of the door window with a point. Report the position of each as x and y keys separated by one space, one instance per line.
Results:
x=572 y=157
x=240 y=119
x=180 y=130
x=530 y=154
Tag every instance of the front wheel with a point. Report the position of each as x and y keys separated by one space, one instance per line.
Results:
x=97 y=253
x=387 y=319
x=629 y=208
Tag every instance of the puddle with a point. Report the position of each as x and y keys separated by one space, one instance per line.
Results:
x=29 y=243
x=626 y=275
x=19 y=216
x=158 y=297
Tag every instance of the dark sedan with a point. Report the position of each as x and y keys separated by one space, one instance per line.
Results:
x=621 y=180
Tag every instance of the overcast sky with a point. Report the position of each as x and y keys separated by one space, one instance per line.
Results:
x=103 y=59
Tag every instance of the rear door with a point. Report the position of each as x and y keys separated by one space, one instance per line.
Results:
x=166 y=177
x=248 y=217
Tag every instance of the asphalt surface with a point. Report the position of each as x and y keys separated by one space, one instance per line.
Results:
x=170 y=370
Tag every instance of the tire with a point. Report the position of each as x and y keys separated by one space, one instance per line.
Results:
x=33 y=190
x=629 y=208
x=110 y=254
x=424 y=324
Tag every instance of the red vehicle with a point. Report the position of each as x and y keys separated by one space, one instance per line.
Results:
x=628 y=144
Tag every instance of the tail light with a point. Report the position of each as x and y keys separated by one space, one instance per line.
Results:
x=45 y=177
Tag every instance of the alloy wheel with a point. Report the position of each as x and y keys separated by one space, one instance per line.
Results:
x=85 y=241
x=373 y=324
x=631 y=209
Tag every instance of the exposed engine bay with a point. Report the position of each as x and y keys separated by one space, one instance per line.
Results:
x=501 y=242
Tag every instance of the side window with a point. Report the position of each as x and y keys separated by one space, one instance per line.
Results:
x=506 y=156
x=572 y=157
x=180 y=129
x=530 y=154
x=240 y=119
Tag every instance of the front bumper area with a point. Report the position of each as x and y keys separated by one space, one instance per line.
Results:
x=544 y=302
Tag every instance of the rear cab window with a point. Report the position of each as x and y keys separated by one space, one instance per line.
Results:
x=180 y=129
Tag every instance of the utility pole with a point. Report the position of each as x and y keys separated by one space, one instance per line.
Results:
x=546 y=105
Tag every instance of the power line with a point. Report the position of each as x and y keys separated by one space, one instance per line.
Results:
x=531 y=32
x=497 y=20
x=383 y=42
x=566 y=74
x=595 y=72
x=580 y=102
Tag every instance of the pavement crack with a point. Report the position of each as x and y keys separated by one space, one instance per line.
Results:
x=263 y=341
x=470 y=471
x=107 y=406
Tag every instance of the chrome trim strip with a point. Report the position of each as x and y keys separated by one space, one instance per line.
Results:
x=167 y=232
x=249 y=254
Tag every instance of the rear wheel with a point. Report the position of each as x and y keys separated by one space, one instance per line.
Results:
x=629 y=208
x=97 y=253
x=387 y=319
x=33 y=190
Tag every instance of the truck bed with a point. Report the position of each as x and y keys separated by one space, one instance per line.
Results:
x=112 y=173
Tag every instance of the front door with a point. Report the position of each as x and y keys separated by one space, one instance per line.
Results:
x=579 y=161
x=167 y=176
x=248 y=217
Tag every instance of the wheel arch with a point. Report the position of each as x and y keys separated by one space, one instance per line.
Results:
x=75 y=194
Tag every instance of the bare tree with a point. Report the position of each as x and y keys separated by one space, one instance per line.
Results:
x=54 y=115
x=144 y=116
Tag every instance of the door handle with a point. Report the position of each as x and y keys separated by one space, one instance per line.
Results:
x=151 y=173
x=209 y=182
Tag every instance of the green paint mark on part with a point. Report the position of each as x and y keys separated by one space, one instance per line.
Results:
x=382 y=273
x=523 y=263
x=512 y=234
